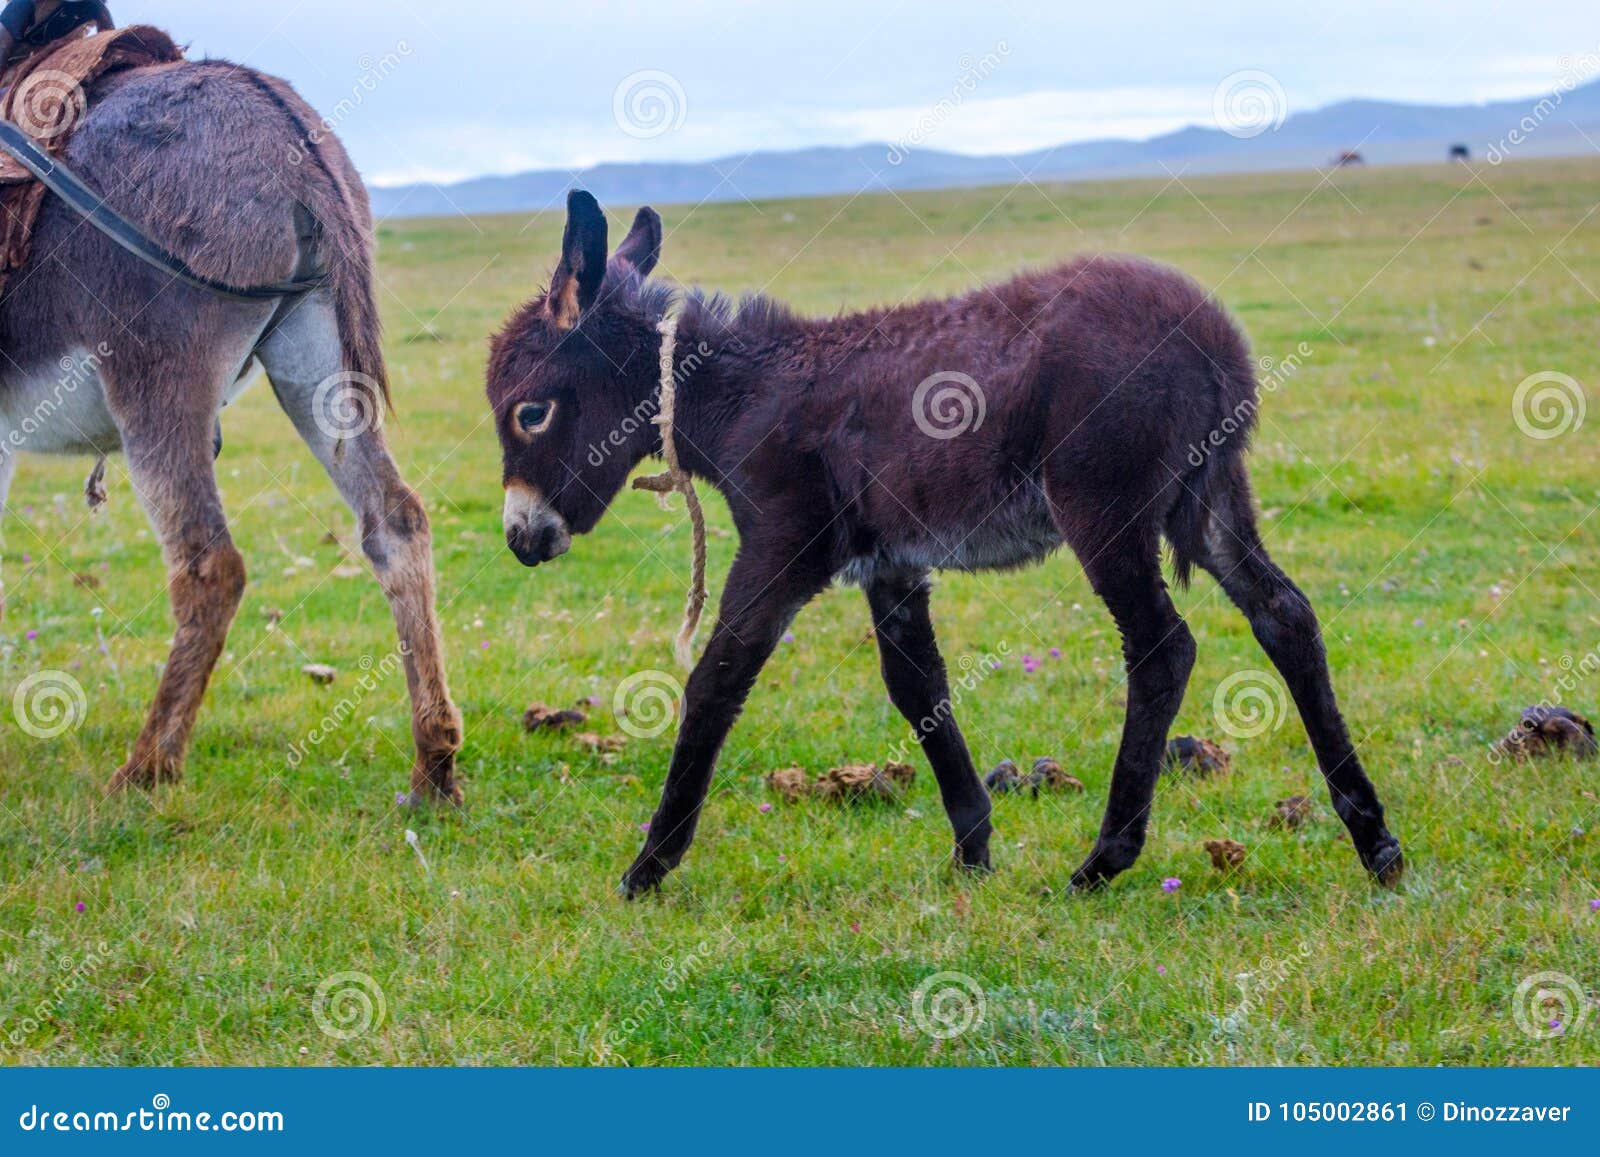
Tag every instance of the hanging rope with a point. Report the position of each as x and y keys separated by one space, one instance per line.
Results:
x=676 y=478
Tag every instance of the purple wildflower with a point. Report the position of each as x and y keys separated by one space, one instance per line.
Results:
x=788 y=636
x=79 y=906
x=1171 y=884
x=31 y=636
x=1055 y=652
x=765 y=808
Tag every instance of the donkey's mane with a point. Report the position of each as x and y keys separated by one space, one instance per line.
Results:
x=752 y=314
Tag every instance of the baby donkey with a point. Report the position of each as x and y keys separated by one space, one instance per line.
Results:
x=1103 y=404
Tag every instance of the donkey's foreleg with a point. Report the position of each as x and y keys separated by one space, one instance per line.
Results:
x=914 y=674
x=756 y=607
x=171 y=472
x=1159 y=653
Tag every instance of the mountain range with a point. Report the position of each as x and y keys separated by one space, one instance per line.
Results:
x=1563 y=122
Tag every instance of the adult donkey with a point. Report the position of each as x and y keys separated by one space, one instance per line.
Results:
x=1095 y=379
x=229 y=170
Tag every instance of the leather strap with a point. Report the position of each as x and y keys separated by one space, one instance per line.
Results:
x=92 y=207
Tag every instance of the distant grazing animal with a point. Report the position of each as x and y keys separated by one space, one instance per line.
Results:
x=1460 y=153
x=1088 y=389
x=230 y=170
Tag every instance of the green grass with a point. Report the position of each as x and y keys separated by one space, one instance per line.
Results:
x=1453 y=559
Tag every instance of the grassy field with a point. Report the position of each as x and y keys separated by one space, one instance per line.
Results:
x=1454 y=559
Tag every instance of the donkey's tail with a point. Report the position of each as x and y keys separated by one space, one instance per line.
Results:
x=332 y=193
x=1214 y=465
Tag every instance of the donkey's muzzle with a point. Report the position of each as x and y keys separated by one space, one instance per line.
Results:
x=534 y=532
x=533 y=545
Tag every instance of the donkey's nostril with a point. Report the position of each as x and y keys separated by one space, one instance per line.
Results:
x=557 y=540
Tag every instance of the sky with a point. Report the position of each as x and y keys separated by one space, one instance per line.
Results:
x=419 y=90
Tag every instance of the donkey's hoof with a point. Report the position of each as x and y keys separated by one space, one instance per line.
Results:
x=1099 y=869
x=145 y=775
x=637 y=883
x=974 y=861
x=1085 y=880
x=1386 y=862
x=433 y=776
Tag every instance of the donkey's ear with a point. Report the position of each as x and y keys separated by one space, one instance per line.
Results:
x=641 y=248
x=583 y=260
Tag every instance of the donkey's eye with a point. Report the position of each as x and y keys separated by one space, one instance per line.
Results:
x=534 y=416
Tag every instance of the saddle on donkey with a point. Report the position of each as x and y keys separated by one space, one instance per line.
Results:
x=52 y=63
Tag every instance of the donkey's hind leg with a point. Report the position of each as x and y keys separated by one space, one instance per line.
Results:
x=169 y=463
x=1159 y=652
x=339 y=422
x=1286 y=627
